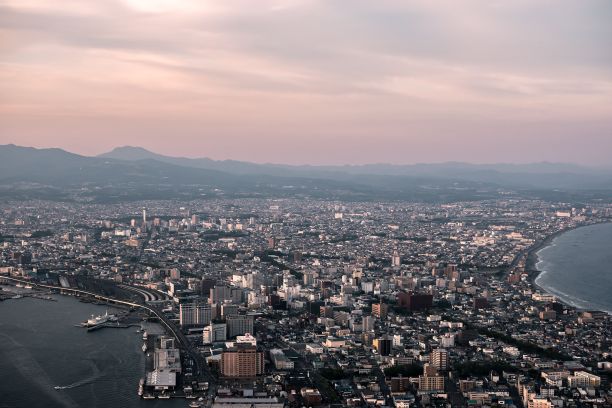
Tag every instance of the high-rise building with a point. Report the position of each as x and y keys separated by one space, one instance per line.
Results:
x=383 y=345
x=415 y=301
x=439 y=359
x=431 y=381
x=242 y=361
x=194 y=314
x=380 y=310
x=214 y=332
x=205 y=286
x=220 y=294
x=271 y=242
x=309 y=278
x=396 y=261
x=368 y=323
x=239 y=325
x=583 y=379
x=400 y=384
x=228 y=309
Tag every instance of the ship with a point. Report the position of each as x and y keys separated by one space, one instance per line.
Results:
x=141 y=387
x=97 y=320
x=145 y=336
x=144 y=347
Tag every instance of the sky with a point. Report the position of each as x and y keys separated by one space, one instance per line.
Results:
x=311 y=81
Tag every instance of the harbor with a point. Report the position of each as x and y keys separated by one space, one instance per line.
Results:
x=157 y=379
x=20 y=291
x=43 y=349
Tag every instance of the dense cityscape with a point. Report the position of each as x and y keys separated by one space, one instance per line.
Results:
x=305 y=203
x=286 y=302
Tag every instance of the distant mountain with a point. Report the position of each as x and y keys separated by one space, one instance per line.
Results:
x=231 y=166
x=54 y=173
x=133 y=173
x=58 y=167
x=522 y=176
x=130 y=153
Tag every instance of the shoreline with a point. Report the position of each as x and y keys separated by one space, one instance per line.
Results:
x=86 y=372
x=533 y=259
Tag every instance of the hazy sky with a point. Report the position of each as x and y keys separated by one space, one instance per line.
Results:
x=311 y=81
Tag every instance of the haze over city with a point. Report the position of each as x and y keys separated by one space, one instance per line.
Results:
x=311 y=81
x=305 y=203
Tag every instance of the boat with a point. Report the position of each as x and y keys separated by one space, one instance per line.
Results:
x=18 y=285
x=144 y=335
x=148 y=396
x=28 y=286
x=163 y=396
x=141 y=387
x=144 y=347
x=97 y=320
x=194 y=405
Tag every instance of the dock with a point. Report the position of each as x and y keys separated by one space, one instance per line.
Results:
x=112 y=326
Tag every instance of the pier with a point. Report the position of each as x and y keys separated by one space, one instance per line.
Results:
x=112 y=326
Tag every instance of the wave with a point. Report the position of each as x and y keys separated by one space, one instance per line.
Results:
x=572 y=300
x=97 y=374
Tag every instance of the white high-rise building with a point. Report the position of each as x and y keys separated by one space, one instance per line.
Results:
x=396 y=261
x=214 y=332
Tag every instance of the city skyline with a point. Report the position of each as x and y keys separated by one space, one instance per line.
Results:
x=311 y=82
x=305 y=203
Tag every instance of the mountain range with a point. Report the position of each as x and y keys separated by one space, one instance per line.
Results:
x=136 y=173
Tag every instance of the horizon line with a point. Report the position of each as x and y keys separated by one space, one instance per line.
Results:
x=127 y=146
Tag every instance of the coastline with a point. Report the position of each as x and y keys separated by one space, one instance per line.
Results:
x=104 y=365
x=533 y=259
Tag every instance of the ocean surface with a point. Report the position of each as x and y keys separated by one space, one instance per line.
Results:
x=40 y=348
x=577 y=267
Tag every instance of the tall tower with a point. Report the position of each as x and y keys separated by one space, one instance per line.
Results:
x=396 y=261
x=144 y=215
